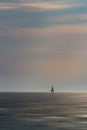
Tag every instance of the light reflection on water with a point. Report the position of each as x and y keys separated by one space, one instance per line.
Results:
x=26 y=111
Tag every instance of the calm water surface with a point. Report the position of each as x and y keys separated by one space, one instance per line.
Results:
x=43 y=111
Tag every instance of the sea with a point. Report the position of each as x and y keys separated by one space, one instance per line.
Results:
x=43 y=111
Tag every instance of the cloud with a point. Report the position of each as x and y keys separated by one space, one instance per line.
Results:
x=46 y=32
x=66 y=19
x=2 y=7
x=48 y=5
x=37 y=5
x=8 y=6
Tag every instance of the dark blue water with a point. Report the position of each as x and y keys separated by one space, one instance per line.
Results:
x=43 y=111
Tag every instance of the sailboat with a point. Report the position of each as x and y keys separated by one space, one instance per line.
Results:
x=52 y=89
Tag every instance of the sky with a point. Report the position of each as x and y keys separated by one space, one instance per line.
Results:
x=43 y=43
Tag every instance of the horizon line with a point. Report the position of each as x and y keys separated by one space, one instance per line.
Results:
x=43 y=92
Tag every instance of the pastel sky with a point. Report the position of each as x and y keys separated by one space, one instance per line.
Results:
x=43 y=43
